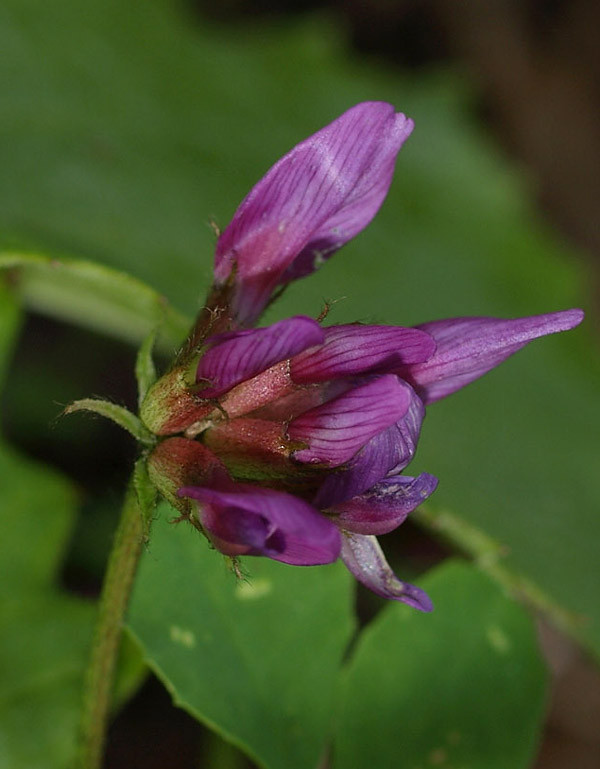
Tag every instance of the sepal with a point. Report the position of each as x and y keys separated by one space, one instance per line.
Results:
x=172 y=406
x=117 y=414
x=178 y=462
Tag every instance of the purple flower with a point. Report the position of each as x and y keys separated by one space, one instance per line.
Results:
x=248 y=520
x=315 y=199
x=305 y=430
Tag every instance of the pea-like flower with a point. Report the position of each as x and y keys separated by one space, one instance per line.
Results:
x=291 y=441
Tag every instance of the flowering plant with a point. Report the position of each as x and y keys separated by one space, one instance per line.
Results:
x=290 y=441
x=293 y=438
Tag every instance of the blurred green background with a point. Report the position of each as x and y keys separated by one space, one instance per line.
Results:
x=126 y=128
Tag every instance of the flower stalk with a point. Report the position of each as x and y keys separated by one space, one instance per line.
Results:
x=116 y=590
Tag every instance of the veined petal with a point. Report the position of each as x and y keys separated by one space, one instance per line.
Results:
x=354 y=349
x=467 y=348
x=389 y=451
x=365 y=559
x=385 y=506
x=237 y=356
x=335 y=431
x=311 y=202
x=255 y=521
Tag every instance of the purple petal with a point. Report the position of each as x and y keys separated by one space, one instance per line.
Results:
x=311 y=202
x=255 y=521
x=354 y=349
x=389 y=451
x=385 y=506
x=467 y=348
x=240 y=355
x=335 y=431
x=365 y=559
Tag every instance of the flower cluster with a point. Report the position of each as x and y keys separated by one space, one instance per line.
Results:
x=290 y=441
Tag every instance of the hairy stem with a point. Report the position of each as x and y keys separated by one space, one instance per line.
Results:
x=100 y=674
x=213 y=318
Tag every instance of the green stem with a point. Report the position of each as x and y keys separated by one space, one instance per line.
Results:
x=100 y=674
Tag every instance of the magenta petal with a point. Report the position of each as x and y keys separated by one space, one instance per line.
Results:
x=385 y=506
x=405 y=434
x=335 y=431
x=311 y=202
x=255 y=521
x=355 y=349
x=240 y=355
x=389 y=451
x=469 y=347
x=365 y=559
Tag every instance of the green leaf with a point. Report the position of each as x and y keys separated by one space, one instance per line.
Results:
x=43 y=650
x=490 y=557
x=257 y=659
x=462 y=687
x=45 y=634
x=94 y=296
